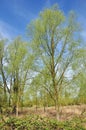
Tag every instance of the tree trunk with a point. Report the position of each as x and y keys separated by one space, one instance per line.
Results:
x=57 y=112
x=36 y=102
x=57 y=108
x=17 y=109
x=44 y=107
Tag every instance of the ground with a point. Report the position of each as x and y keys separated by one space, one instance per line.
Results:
x=66 y=112
x=71 y=118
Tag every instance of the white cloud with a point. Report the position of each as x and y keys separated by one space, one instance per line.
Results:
x=24 y=13
x=20 y=10
x=69 y=73
x=7 y=31
x=3 y=30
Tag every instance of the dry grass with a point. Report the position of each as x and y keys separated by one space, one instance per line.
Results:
x=66 y=112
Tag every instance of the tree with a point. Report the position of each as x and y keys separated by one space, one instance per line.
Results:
x=3 y=76
x=80 y=69
x=54 y=41
x=38 y=91
x=19 y=63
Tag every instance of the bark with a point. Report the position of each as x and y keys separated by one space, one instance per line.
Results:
x=57 y=108
x=36 y=102
x=53 y=74
x=17 y=107
x=3 y=76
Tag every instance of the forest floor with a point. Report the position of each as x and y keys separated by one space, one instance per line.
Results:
x=72 y=117
x=66 y=112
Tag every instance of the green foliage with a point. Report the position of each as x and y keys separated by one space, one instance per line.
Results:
x=55 y=40
x=39 y=123
x=34 y=72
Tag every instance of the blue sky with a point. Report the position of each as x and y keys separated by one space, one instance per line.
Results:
x=16 y=14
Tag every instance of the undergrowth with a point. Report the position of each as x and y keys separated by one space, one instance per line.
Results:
x=40 y=123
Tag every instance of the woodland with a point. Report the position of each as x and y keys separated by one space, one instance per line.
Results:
x=43 y=77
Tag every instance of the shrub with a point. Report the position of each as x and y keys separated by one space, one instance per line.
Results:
x=38 y=123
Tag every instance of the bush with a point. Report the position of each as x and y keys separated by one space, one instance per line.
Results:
x=38 y=123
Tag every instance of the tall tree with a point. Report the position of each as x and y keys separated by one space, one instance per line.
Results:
x=54 y=40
